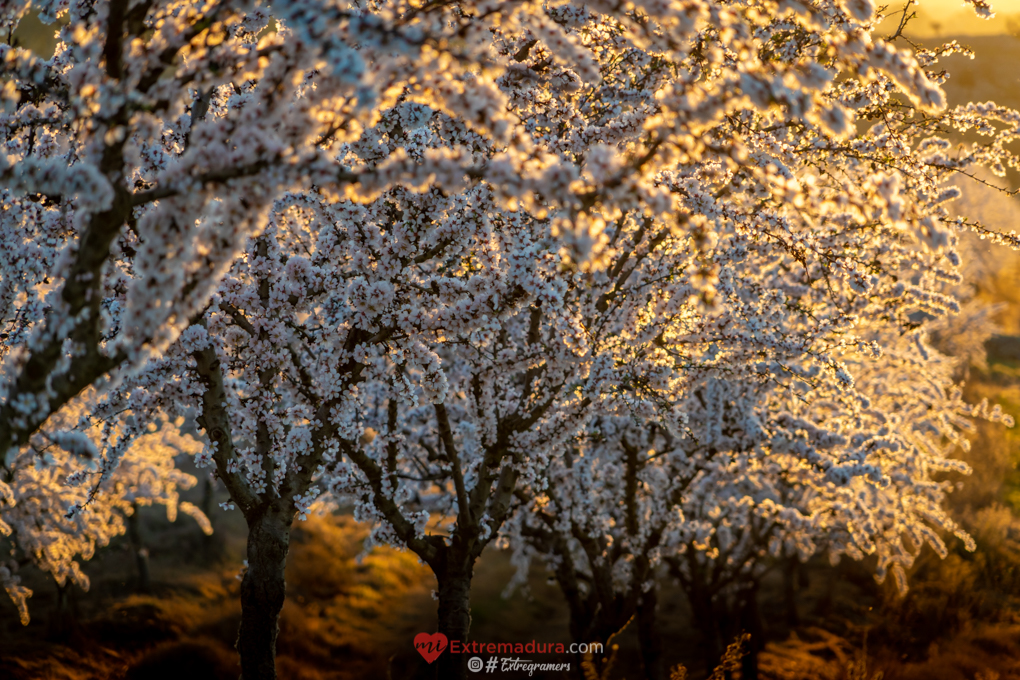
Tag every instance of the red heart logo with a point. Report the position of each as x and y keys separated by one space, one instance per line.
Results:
x=430 y=646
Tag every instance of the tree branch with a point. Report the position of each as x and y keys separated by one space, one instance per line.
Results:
x=215 y=420
x=446 y=436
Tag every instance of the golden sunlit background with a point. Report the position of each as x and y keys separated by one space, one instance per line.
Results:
x=939 y=18
x=348 y=615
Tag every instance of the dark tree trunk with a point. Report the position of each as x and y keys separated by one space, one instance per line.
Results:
x=208 y=496
x=212 y=544
x=707 y=624
x=604 y=629
x=790 y=574
x=728 y=612
x=140 y=551
x=580 y=619
x=803 y=578
x=750 y=619
x=262 y=594
x=454 y=618
x=648 y=636
x=824 y=605
x=63 y=623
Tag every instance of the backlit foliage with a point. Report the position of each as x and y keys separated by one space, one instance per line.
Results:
x=467 y=260
x=68 y=500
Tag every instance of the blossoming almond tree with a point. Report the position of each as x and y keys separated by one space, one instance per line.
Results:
x=139 y=156
x=131 y=157
x=760 y=471
x=916 y=420
x=581 y=521
x=68 y=502
x=124 y=202
x=404 y=253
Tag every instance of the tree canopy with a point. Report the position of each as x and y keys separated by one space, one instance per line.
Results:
x=423 y=257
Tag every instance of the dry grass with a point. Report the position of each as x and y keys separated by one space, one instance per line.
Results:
x=341 y=618
x=344 y=619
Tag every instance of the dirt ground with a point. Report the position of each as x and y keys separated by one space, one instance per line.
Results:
x=346 y=618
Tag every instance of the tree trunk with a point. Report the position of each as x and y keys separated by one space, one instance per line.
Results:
x=212 y=544
x=141 y=552
x=580 y=619
x=648 y=636
x=790 y=573
x=454 y=619
x=63 y=623
x=705 y=620
x=750 y=619
x=728 y=614
x=803 y=578
x=208 y=496
x=262 y=594
x=824 y=605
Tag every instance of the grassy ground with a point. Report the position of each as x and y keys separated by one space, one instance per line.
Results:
x=344 y=619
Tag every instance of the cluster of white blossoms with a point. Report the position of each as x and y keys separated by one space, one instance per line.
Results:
x=423 y=256
x=63 y=500
x=761 y=471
